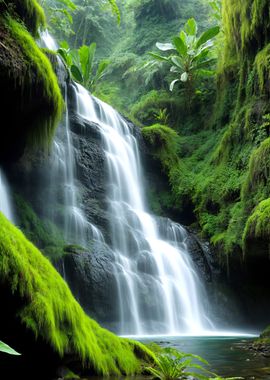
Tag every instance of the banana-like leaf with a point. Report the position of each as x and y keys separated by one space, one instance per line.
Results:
x=64 y=54
x=208 y=35
x=180 y=46
x=191 y=27
x=87 y=55
x=201 y=55
x=165 y=47
x=204 y=64
x=64 y=45
x=183 y=36
x=173 y=83
x=76 y=73
x=158 y=57
x=7 y=349
x=177 y=61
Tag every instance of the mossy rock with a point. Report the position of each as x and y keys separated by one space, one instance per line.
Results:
x=46 y=309
x=32 y=103
x=29 y=11
x=257 y=185
x=162 y=141
x=258 y=224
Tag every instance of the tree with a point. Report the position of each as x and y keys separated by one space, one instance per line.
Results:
x=190 y=55
x=60 y=13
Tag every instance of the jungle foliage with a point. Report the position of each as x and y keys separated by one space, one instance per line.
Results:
x=191 y=54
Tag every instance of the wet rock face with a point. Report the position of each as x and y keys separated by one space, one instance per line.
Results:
x=91 y=171
x=202 y=256
x=91 y=278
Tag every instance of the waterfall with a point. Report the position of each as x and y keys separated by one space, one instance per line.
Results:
x=5 y=202
x=77 y=229
x=159 y=290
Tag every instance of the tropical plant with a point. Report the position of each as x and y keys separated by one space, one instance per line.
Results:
x=81 y=64
x=172 y=364
x=7 y=349
x=162 y=116
x=190 y=55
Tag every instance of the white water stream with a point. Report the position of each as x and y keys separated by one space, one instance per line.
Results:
x=77 y=229
x=5 y=201
x=159 y=290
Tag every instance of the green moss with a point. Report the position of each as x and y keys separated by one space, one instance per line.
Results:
x=29 y=11
x=145 y=109
x=161 y=137
x=39 y=87
x=262 y=64
x=51 y=312
x=43 y=233
x=258 y=224
x=257 y=184
x=163 y=144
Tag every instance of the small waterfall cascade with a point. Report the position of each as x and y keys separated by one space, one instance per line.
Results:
x=159 y=290
x=5 y=201
x=77 y=229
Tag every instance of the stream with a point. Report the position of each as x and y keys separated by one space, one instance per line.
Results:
x=226 y=355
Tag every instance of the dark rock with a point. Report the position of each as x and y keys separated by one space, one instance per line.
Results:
x=91 y=278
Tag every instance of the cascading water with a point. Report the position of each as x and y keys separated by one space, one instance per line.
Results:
x=159 y=290
x=77 y=229
x=5 y=202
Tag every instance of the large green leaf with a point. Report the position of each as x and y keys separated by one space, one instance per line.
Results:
x=205 y=64
x=76 y=73
x=7 y=349
x=207 y=35
x=165 y=47
x=87 y=55
x=183 y=36
x=64 y=54
x=202 y=54
x=191 y=27
x=177 y=61
x=158 y=57
x=180 y=46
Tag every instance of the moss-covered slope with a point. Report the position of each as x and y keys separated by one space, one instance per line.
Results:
x=47 y=309
x=31 y=101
